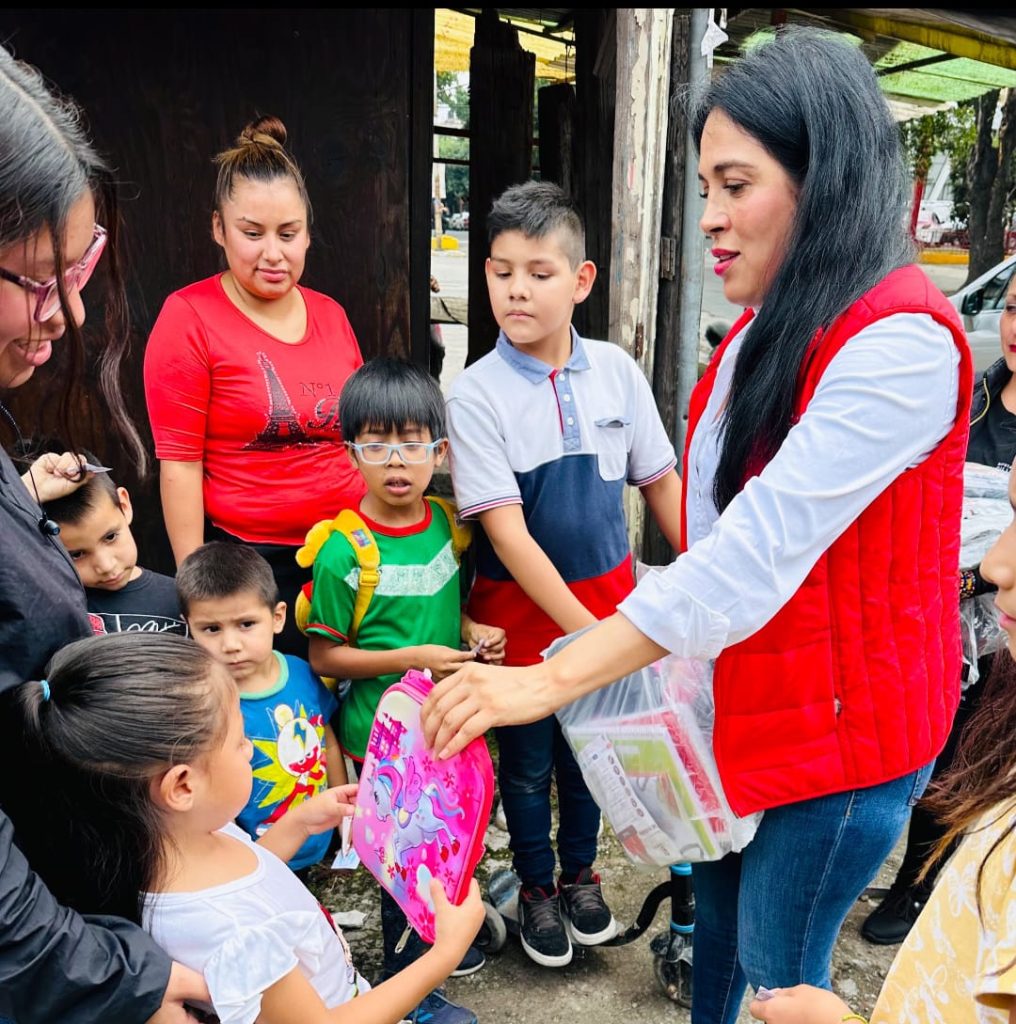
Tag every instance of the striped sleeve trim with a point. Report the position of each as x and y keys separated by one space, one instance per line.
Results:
x=655 y=476
x=469 y=511
x=326 y=631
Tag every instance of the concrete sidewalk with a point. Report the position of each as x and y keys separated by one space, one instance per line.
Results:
x=605 y=985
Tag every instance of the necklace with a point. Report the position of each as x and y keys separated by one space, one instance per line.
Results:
x=236 y=290
x=47 y=527
x=282 y=307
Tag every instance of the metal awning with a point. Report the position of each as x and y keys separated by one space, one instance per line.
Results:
x=554 y=46
x=940 y=57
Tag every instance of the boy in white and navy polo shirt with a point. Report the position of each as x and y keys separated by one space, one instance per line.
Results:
x=545 y=432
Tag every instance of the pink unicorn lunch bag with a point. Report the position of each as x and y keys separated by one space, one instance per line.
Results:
x=417 y=818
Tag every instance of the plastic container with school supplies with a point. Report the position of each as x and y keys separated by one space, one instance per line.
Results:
x=644 y=745
x=986 y=513
x=418 y=818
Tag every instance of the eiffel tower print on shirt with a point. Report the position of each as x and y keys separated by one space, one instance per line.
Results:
x=282 y=428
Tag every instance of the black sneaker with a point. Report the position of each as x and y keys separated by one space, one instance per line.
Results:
x=541 y=927
x=890 y=922
x=473 y=961
x=590 y=921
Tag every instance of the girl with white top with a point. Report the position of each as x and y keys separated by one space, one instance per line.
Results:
x=141 y=740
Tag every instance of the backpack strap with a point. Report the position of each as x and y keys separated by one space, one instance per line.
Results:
x=368 y=557
x=364 y=546
x=462 y=533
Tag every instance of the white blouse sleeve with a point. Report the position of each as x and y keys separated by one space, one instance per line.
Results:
x=254 y=958
x=883 y=404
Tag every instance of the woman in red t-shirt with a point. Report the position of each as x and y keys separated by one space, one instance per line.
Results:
x=243 y=373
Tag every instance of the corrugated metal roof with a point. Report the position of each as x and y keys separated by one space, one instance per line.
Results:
x=931 y=76
x=946 y=55
x=555 y=55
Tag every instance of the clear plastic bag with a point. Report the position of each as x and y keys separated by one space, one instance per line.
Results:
x=986 y=513
x=644 y=745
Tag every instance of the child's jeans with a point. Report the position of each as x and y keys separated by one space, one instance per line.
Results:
x=393 y=924
x=528 y=755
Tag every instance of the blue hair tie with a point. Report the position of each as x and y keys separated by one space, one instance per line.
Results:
x=44 y=683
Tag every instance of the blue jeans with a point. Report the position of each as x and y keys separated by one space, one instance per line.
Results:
x=770 y=915
x=528 y=755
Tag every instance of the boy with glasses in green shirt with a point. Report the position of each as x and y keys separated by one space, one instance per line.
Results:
x=392 y=415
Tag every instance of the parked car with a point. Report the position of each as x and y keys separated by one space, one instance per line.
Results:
x=459 y=221
x=980 y=305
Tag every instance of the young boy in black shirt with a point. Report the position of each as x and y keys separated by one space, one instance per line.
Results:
x=95 y=527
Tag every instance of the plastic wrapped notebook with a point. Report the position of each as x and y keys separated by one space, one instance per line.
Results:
x=644 y=745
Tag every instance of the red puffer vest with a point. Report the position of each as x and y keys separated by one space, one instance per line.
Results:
x=856 y=679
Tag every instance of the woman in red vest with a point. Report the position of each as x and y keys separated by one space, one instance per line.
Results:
x=823 y=486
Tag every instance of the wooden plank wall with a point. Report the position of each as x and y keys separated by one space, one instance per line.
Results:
x=595 y=88
x=501 y=85
x=165 y=90
x=643 y=79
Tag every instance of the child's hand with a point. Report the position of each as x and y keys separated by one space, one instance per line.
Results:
x=802 y=1004
x=54 y=476
x=492 y=637
x=455 y=927
x=442 y=661
x=325 y=810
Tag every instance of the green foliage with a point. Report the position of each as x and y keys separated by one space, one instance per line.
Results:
x=456 y=176
x=452 y=92
x=946 y=131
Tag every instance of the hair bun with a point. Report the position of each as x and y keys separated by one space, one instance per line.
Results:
x=265 y=131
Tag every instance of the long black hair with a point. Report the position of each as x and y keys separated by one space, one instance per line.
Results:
x=46 y=165
x=813 y=102
x=113 y=713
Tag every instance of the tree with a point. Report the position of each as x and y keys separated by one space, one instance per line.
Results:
x=452 y=92
x=990 y=178
x=981 y=172
x=946 y=131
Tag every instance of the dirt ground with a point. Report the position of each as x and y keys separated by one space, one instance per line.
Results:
x=617 y=985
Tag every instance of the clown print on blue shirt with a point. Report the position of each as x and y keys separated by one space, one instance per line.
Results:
x=286 y=725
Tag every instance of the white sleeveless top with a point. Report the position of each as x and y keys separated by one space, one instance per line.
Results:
x=249 y=933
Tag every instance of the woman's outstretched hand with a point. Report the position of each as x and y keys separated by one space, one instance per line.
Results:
x=802 y=1004
x=476 y=697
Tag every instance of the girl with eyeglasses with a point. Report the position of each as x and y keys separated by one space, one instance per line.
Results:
x=243 y=372
x=58 y=215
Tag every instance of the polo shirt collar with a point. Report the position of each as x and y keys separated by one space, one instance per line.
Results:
x=535 y=370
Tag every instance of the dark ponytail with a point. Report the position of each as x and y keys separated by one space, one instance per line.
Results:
x=259 y=154
x=113 y=713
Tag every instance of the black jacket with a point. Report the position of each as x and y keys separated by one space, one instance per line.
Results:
x=54 y=964
x=987 y=387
